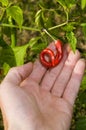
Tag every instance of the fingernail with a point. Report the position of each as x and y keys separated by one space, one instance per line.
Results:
x=72 y=57
x=80 y=66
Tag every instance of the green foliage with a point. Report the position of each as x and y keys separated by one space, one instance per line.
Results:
x=39 y=18
x=69 y=27
x=71 y=40
x=6 y=54
x=19 y=53
x=67 y=4
x=83 y=4
x=81 y=124
x=16 y=13
x=4 y=2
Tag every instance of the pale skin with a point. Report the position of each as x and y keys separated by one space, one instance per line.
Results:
x=35 y=98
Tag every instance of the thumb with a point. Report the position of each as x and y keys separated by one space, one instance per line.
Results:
x=17 y=74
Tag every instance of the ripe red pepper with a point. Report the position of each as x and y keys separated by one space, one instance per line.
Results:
x=53 y=59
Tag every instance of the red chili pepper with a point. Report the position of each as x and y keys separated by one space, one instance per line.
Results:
x=53 y=59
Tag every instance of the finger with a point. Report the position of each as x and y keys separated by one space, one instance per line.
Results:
x=72 y=88
x=17 y=74
x=38 y=69
x=52 y=74
x=65 y=74
x=37 y=73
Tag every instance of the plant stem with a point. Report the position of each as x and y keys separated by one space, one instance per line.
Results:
x=12 y=31
x=49 y=34
x=60 y=25
x=2 y=14
x=15 y=26
x=57 y=26
x=13 y=38
x=67 y=16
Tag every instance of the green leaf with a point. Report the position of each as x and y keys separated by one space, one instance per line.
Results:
x=66 y=3
x=4 y=2
x=16 y=13
x=19 y=53
x=81 y=124
x=39 y=18
x=72 y=40
x=62 y=3
x=6 y=56
x=39 y=47
x=83 y=4
x=83 y=24
x=36 y=45
x=6 y=68
x=69 y=27
x=33 y=41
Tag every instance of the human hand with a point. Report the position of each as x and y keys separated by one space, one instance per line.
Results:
x=34 y=98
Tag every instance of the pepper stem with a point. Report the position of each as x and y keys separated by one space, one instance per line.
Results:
x=49 y=34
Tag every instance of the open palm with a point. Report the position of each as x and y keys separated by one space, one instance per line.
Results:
x=35 y=98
